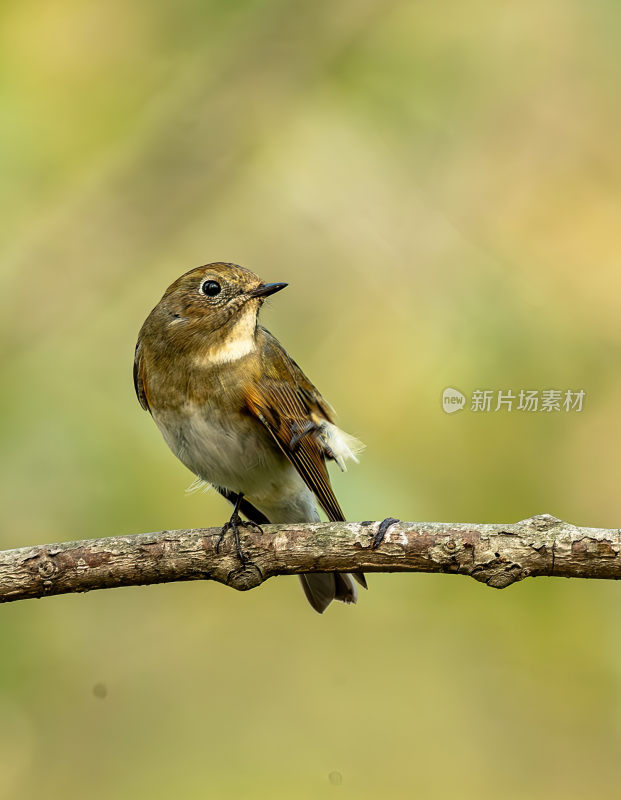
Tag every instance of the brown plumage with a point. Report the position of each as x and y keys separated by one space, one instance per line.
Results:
x=237 y=410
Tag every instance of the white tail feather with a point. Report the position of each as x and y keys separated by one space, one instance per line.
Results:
x=339 y=445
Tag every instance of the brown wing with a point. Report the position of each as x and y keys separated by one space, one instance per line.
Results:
x=139 y=384
x=292 y=410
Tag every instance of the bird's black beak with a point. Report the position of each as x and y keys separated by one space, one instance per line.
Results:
x=266 y=289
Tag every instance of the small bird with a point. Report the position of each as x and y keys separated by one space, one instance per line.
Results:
x=239 y=412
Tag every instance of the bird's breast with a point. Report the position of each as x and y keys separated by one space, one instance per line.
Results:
x=202 y=415
x=227 y=448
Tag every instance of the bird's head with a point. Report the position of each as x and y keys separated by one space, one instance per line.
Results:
x=212 y=300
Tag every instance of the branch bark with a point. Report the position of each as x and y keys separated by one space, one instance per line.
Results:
x=497 y=555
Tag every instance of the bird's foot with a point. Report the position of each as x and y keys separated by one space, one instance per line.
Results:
x=381 y=531
x=234 y=524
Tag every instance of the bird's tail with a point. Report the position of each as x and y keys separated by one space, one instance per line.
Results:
x=321 y=588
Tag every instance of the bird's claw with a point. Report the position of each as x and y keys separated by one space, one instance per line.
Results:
x=381 y=531
x=234 y=524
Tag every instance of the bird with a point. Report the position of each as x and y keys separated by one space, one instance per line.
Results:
x=239 y=412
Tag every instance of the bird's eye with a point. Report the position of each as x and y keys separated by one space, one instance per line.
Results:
x=211 y=288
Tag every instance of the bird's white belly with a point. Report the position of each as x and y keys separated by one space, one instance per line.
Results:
x=244 y=460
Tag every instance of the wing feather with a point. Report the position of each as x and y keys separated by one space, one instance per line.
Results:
x=272 y=404
x=292 y=410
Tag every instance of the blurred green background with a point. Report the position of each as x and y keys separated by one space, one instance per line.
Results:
x=439 y=184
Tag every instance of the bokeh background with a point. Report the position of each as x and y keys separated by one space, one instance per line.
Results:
x=439 y=184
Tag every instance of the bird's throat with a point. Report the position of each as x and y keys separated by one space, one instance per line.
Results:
x=233 y=342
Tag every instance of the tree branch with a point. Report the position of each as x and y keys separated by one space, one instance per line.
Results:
x=497 y=555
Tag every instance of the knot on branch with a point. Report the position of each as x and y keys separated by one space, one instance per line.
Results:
x=542 y=522
x=499 y=573
x=47 y=568
x=246 y=577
